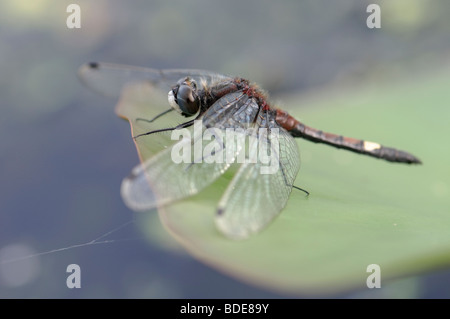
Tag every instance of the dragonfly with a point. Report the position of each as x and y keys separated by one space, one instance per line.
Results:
x=252 y=200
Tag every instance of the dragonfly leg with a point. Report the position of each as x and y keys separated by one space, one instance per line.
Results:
x=155 y=118
x=182 y=125
x=301 y=189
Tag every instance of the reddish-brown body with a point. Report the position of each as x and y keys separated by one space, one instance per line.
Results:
x=298 y=129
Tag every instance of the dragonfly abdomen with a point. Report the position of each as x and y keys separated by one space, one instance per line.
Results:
x=298 y=129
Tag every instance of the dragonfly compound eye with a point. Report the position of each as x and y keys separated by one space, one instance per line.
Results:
x=183 y=97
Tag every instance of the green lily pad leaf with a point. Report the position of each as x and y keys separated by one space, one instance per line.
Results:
x=361 y=210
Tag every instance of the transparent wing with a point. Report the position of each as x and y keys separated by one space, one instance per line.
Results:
x=160 y=181
x=261 y=187
x=109 y=79
x=164 y=178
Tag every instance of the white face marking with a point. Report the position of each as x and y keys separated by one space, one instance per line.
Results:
x=172 y=102
x=370 y=146
x=203 y=82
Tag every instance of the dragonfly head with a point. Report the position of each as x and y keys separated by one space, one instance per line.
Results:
x=184 y=98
